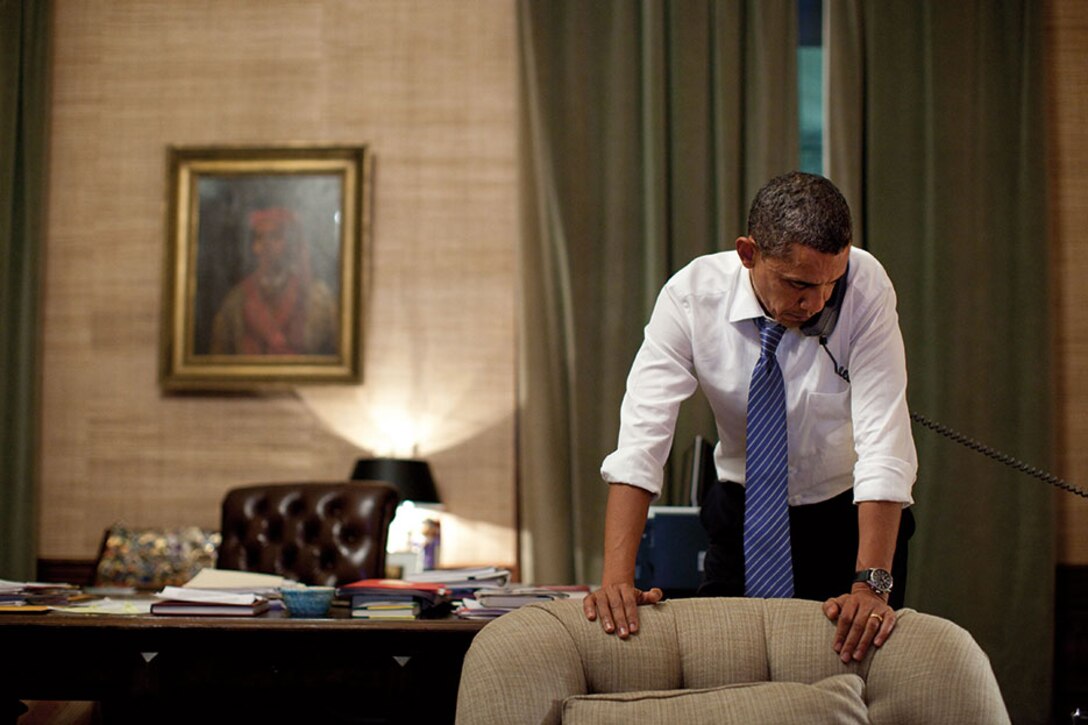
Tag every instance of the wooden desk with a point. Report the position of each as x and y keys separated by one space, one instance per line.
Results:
x=172 y=669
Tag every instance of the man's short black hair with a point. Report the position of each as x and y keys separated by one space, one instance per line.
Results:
x=799 y=208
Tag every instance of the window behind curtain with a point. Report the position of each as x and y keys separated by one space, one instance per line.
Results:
x=810 y=61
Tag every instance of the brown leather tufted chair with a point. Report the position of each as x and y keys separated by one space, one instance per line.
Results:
x=315 y=533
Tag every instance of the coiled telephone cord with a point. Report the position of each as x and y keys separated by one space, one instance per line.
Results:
x=1008 y=460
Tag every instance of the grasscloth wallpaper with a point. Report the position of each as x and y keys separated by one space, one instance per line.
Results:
x=430 y=86
x=1067 y=78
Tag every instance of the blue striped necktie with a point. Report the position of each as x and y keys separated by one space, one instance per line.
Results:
x=768 y=568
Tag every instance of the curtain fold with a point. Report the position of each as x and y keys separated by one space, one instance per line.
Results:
x=647 y=127
x=939 y=134
x=24 y=28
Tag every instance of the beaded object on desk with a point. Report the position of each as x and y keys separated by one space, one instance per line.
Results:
x=151 y=558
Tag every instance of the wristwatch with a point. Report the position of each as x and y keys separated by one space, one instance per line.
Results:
x=879 y=580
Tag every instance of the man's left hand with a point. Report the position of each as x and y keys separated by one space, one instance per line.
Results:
x=863 y=617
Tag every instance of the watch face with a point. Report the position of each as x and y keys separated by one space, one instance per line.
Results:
x=880 y=580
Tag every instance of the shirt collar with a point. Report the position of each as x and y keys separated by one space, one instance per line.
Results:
x=745 y=304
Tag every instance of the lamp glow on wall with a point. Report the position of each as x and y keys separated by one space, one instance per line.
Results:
x=415 y=533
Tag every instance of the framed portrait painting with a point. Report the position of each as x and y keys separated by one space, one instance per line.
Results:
x=264 y=265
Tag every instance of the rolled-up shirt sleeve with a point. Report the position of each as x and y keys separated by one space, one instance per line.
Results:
x=661 y=378
x=887 y=462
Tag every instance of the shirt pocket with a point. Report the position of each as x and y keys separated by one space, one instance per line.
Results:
x=825 y=433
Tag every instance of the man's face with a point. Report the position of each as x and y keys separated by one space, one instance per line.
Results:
x=269 y=247
x=794 y=287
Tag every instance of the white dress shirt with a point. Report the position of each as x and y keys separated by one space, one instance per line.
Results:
x=703 y=333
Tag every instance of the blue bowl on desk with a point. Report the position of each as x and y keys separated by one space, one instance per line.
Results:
x=308 y=602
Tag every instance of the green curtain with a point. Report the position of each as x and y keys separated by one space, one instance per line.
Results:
x=937 y=125
x=647 y=128
x=24 y=29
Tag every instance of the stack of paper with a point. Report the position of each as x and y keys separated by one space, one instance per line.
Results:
x=240 y=582
x=465 y=580
x=492 y=602
x=187 y=601
x=395 y=599
x=36 y=595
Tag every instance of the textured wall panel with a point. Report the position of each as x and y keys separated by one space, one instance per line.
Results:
x=1067 y=80
x=431 y=87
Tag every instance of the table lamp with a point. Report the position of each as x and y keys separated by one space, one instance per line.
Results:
x=412 y=478
x=417 y=530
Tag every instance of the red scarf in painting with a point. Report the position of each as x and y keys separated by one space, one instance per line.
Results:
x=273 y=325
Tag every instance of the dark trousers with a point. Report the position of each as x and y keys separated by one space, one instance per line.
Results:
x=823 y=537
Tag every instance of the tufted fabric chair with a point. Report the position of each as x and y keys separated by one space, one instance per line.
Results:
x=720 y=660
x=315 y=533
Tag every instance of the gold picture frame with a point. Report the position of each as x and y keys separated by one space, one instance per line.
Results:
x=264 y=266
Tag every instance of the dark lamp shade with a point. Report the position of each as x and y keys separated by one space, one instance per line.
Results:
x=412 y=478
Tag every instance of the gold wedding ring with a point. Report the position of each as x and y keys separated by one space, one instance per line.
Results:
x=877 y=617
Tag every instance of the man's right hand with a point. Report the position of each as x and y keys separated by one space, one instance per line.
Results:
x=616 y=603
x=616 y=606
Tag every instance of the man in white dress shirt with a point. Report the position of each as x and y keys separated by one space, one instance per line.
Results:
x=851 y=458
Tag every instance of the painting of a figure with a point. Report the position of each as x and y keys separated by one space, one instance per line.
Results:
x=265 y=268
x=280 y=307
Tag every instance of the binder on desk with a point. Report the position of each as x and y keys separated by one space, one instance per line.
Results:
x=428 y=591
x=423 y=599
x=464 y=578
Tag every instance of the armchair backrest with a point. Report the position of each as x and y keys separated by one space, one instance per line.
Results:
x=316 y=533
x=727 y=660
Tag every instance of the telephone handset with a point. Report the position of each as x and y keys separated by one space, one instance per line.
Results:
x=822 y=324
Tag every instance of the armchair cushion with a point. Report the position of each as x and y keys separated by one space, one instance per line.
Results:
x=838 y=699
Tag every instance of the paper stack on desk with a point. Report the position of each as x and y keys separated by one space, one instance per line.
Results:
x=239 y=582
x=36 y=596
x=464 y=580
x=492 y=602
x=181 y=601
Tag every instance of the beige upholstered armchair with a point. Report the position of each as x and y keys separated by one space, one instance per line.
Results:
x=721 y=661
